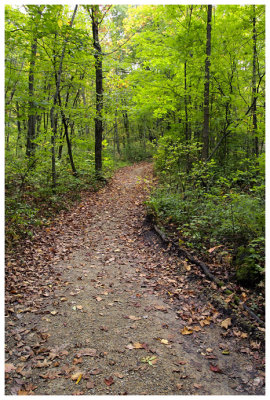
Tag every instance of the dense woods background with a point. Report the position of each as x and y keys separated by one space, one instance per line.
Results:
x=91 y=88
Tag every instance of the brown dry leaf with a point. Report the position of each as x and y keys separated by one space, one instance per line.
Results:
x=95 y=371
x=98 y=298
x=119 y=375
x=9 y=368
x=204 y=322
x=187 y=266
x=43 y=364
x=87 y=352
x=90 y=385
x=186 y=331
x=76 y=375
x=77 y=361
x=138 y=345
x=215 y=368
x=24 y=392
x=161 y=308
x=109 y=381
x=226 y=323
x=196 y=328
x=79 y=307
x=214 y=248
x=197 y=385
x=134 y=318
x=54 y=312
x=179 y=386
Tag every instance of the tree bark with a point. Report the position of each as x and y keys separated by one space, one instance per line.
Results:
x=126 y=126
x=254 y=89
x=53 y=117
x=99 y=89
x=31 y=133
x=205 y=135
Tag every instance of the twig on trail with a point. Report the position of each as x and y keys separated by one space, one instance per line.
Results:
x=203 y=266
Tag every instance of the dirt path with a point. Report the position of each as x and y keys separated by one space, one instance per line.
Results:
x=114 y=303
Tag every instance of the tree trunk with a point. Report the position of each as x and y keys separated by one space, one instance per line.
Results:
x=116 y=135
x=31 y=133
x=254 y=89
x=53 y=117
x=205 y=135
x=99 y=89
x=126 y=126
x=18 y=126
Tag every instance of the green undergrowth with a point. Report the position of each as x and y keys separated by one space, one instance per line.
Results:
x=31 y=201
x=227 y=212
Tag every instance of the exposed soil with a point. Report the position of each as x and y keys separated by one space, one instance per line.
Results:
x=98 y=306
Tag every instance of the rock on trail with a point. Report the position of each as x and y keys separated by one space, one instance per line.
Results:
x=122 y=316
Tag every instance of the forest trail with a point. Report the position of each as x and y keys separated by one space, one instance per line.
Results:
x=108 y=307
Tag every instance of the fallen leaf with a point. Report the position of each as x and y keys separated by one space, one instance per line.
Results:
x=9 y=368
x=161 y=308
x=54 y=312
x=90 y=385
x=204 y=322
x=134 y=318
x=138 y=345
x=179 y=386
x=214 y=248
x=77 y=361
x=109 y=381
x=215 y=368
x=164 y=341
x=95 y=371
x=98 y=298
x=119 y=375
x=186 y=331
x=225 y=352
x=196 y=328
x=24 y=393
x=87 y=352
x=226 y=323
x=76 y=376
x=197 y=385
x=43 y=364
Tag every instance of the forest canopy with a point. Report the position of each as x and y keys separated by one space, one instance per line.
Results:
x=89 y=88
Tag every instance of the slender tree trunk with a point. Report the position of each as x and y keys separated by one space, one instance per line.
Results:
x=85 y=105
x=18 y=126
x=99 y=89
x=53 y=117
x=254 y=89
x=205 y=135
x=31 y=133
x=116 y=135
x=126 y=126
x=60 y=150
x=187 y=125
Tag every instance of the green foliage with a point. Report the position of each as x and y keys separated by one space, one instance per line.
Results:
x=208 y=209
